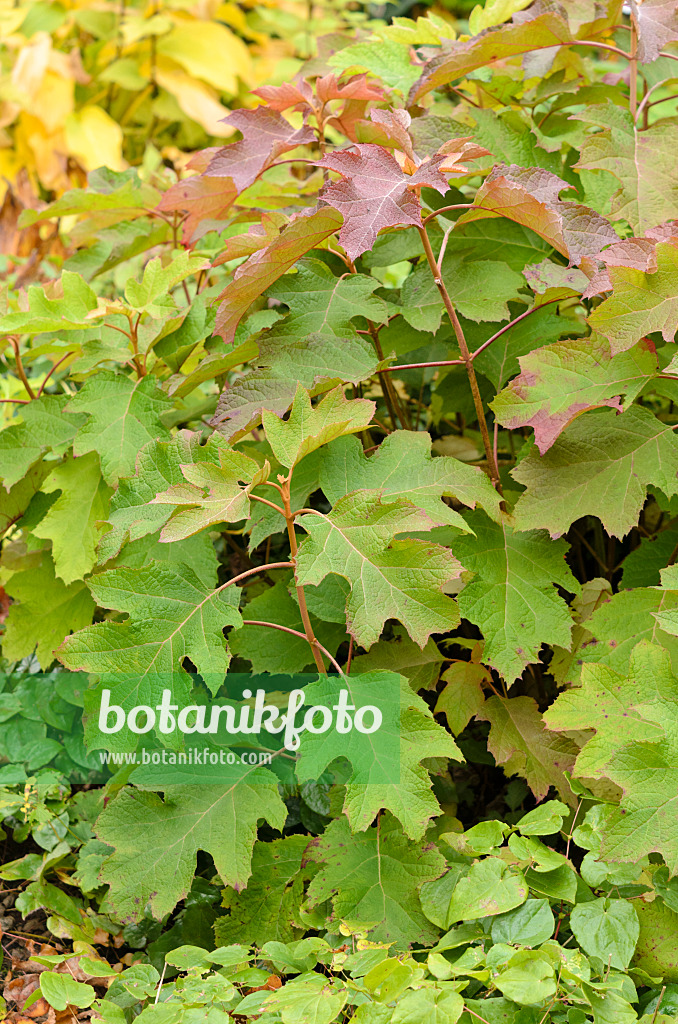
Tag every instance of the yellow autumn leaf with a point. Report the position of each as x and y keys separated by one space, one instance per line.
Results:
x=208 y=51
x=53 y=101
x=495 y=12
x=197 y=101
x=30 y=67
x=232 y=15
x=10 y=165
x=95 y=139
x=45 y=151
x=10 y=20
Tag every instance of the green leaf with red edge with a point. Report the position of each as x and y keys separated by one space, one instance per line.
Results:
x=634 y=717
x=522 y=745
x=531 y=197
x=601 y=465
x=266 y=230
x=457 y=59
x=210 y=493
x=132 y=513
x=642 y=161
x=304 y=232
x=561 y=381
x=641 y=302
x=375 y=193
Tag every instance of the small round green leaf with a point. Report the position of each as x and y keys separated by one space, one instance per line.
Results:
x=60 y=991
x=529 y=925
x=607 y=929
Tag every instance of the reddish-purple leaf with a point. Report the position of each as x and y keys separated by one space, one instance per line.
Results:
x=299 y=93
x=630 y=252
x=375 y=193
x=205 y=200
x=356 y=87
x=258 y=237
x=458 y=58
x=394 y=125
x=266 y=134
x=657 y=22
x=531 y=197
x=252 y=278
x=559 y=382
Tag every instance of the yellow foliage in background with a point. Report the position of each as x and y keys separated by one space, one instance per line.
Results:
x=85 y=83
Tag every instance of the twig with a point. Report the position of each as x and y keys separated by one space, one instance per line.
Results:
x=301 y=596
x=56 y=365
x=461 y=362
x=466 y=356
x=270 y=483
x=590 y=549
x=271 y=504
x=523 y=316
x=446 y=209
x=443 y=247
x=474 y=1014
x=350 y=656
x=633 y=71
x=600 y=46
x=296 y=632
x=21 y=373
x=162 y=978
x=250 y=572
x=659 y=1002
x=423 y=366
x=388 y=390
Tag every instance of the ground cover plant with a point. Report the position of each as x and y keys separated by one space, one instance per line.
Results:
x=381 y=393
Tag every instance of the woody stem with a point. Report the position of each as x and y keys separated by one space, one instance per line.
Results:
x=467 y=358
x=21 y=373
x=633 y=69
x=301 y=596
x=294 y=632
